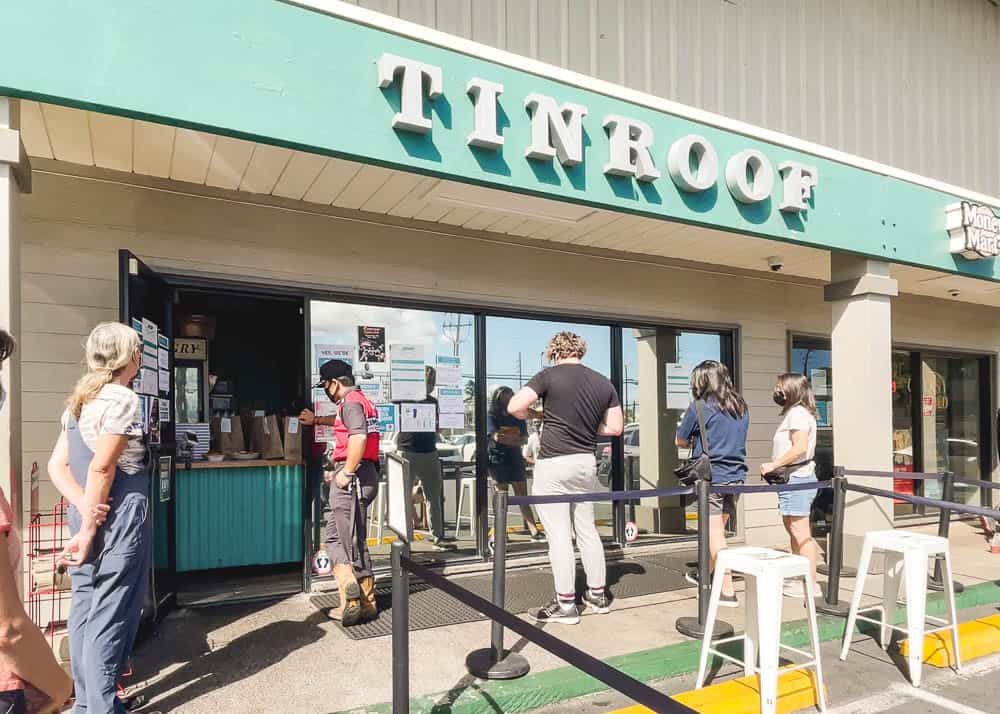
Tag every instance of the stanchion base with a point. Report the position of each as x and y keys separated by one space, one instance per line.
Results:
x=839 y=609
x=690 y=627
x=483 y=664
x=938 y=586
x=845 y=571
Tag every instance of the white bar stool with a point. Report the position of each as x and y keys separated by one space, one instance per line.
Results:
x=906 y=555
x=377 y=520
x=765 y=571
x=466 y=484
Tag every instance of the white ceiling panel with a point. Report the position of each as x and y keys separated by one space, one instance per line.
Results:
x=229 y=162
x=336 y=174
x=395 y=189
x=362 y=187
x=192 y=155
x=111 y=138
x=33 y=132
x=264 y=169
x=152 y=149
x=300 y=173
x=69 y=134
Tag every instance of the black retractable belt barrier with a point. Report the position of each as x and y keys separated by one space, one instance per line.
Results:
x=936 y=581
x=831 y=604
x=400 y=629
x=638 y=691
x=494 y=662
x=695 y=626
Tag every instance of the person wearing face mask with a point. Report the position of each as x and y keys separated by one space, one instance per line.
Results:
x=101 y=458
x=794 y=449
x=353 y=486
x=30 y=677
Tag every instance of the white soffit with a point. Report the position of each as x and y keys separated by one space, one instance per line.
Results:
x=489 y=199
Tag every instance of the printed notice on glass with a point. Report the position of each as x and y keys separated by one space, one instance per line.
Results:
x=678 y=386
x=407 y=380
x=417 y=417
x=149 y=332
x=164 y=410
x=452 y=420
x=163 y=359
x=388 y=418
x=451 y=400
x=371 y=345
x=372 y=388
x=164 y=380
x=325 y=353
x=148 y=383
x=149 y=360
x=137 y=326
x=821 y=386
x=449 y=371
x=322 y=406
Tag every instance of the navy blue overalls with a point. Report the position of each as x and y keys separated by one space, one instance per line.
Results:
x=109 y=588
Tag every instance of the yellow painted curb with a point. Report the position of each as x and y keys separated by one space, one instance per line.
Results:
x=796 y=691
x=976 y=638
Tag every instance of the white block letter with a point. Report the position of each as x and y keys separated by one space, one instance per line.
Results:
x=555 y=130
x=797 y=181
x=744 y=188
x=629 y=141
x=484 y=97
x=706 y=170
x=411 y=95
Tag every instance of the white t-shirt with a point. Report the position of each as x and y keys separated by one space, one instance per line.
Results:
x=798 y=418
x=115 y=410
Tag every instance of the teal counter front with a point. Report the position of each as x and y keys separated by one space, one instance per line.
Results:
x=237 y=513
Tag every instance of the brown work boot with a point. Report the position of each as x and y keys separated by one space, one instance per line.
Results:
x=369 y=609
x=349 y=610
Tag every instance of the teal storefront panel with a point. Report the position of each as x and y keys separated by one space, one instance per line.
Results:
x=289 y=76
x=232 y=517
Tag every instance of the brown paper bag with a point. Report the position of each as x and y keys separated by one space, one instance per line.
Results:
x=265 y=437
x=293 y=439
x=227 y=434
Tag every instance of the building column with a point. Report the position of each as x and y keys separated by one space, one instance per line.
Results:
x=860 y=294
x=15 y=176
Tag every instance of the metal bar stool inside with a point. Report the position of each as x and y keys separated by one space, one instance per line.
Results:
x=906 y=555
x=765 y=571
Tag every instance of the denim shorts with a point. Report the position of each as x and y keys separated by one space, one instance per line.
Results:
x=797 y=503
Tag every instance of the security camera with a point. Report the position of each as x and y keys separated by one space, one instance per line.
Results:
x=776 y=263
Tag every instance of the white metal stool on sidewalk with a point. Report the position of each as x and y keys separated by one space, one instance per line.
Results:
x=378 y=514
x=765 y=571
x=906 y=555
x=466 y=485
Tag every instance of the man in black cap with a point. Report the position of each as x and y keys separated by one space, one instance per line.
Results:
x=353 y=486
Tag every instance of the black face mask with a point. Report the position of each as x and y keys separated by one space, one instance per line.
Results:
x=779 y=397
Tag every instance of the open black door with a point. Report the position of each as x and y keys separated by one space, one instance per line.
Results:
x=146 y=303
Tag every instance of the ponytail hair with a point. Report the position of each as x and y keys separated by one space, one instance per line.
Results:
x=109 y=350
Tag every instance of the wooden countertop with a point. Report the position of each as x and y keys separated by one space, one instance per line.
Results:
x=237 y=464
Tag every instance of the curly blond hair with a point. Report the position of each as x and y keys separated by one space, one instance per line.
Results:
x=565 y=345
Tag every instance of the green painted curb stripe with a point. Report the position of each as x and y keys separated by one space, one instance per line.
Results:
x=563 y=683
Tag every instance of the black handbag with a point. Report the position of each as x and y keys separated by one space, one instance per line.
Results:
x=699 y=469
x=783 y=474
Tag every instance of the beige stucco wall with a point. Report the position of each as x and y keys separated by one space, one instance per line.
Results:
x=71 y=229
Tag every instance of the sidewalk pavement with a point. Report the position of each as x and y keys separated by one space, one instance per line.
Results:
x=264 y=658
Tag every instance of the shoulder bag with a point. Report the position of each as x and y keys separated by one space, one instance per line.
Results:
x=699 y=469
x=783 y=474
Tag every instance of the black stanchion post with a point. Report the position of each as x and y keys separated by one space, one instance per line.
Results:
x=830 y=603
x=695 y=626
x=837 y=530
x=494 y=662
x=400 y=630
x=936 y=581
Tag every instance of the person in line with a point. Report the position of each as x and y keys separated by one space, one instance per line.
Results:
x=354 y=483
x=101 y=457
x=727 y=420
x=794 y=446
x=578 y=404
x=29 y=673
x=507 y=436
x=420 y=449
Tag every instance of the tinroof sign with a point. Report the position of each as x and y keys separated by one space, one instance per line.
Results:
x=974 y=230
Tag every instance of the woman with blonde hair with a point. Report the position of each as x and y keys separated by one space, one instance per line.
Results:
x=794 y=449
x=101 y=458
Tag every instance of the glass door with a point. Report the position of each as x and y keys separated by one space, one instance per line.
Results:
x=657 y=364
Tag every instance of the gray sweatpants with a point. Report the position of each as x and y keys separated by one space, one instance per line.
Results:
x=563 y=475
x=347 y=521
x=426 y=466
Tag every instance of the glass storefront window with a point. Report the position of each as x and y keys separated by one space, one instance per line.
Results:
x=515 y=352
x=657 y=364
x=418 y=367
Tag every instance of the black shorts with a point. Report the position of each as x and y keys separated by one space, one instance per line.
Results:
x=13 y=702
